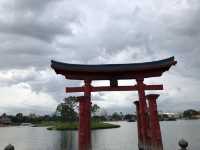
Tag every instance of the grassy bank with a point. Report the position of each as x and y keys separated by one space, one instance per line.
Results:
x=74 y=125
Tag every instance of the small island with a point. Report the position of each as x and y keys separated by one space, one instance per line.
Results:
x=67 y=117
x=74 y=125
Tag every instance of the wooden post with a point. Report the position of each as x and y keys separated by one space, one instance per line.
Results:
x=9 y=147
x=156 y=138
x=143 y=114
x=138 y=124
x=85 y=118
x=183 y=144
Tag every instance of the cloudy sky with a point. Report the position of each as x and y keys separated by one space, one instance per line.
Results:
x=32 y=32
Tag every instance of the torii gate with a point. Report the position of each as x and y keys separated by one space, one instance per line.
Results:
x=149 y=134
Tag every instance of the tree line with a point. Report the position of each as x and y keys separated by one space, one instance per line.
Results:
x=66 y=111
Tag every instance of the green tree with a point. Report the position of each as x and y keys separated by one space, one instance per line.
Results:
x=94 y=109
x=116 y=116
x=19 y=117
x=190 y=113
x=67 y=109
x=4 y=115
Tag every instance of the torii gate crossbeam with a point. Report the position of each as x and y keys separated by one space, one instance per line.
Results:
x=117 y=88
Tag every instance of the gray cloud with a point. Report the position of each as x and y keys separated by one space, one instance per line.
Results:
x=29 y=33
x=22 y=53
x=37 y=19
x=36 y=29
x=36 y=5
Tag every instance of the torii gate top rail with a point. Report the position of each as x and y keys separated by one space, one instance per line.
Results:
x=113 y=71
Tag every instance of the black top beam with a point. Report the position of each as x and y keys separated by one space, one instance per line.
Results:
x=110 y=71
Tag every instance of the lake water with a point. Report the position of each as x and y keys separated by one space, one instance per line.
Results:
x=123 y=138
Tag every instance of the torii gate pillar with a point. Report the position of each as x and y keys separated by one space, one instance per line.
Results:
x=138 y=125
x=155 y=133
x=85 y=118
x=144 y=142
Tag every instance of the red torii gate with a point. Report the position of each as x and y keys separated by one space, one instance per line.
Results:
x=149 y=134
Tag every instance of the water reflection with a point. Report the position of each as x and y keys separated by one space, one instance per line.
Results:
x=68 y=140
x=124 y=137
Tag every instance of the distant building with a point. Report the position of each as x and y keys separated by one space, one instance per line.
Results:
x=168 y=116
x=196 y=117
x=130 y=117
x=5 y=120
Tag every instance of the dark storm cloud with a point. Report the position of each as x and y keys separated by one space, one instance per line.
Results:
x=42 y=30
x=35 y=19
x=25 y=46
x=187 y=24
x=29 y=31
x=126 y=31
x=183 y=38
x=19 y=52
x=36 y=5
